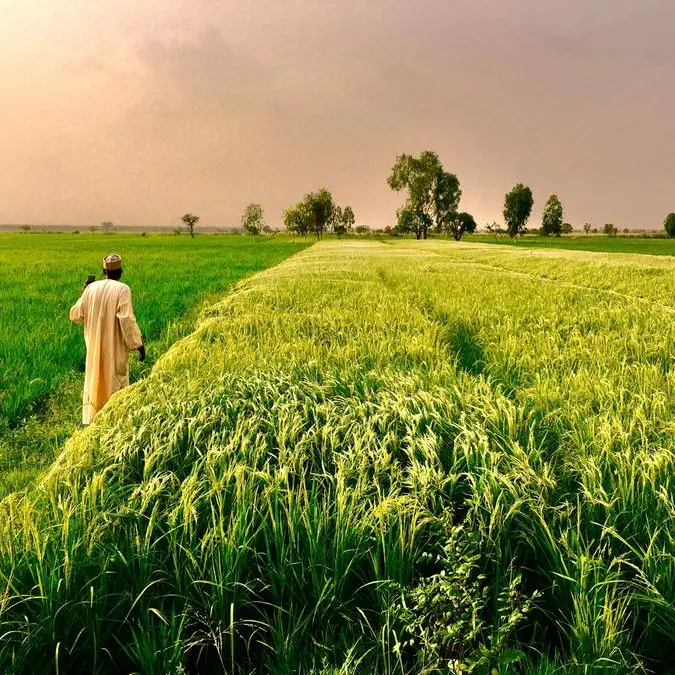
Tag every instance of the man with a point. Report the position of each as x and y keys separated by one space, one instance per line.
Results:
x=110 y=333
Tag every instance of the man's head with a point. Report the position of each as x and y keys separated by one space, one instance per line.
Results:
x=112 y=266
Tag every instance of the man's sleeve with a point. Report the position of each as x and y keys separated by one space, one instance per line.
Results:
x=77 y=311
x=125 y=315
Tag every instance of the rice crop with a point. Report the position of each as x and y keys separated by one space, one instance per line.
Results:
x=42 y=352
x=373 y=458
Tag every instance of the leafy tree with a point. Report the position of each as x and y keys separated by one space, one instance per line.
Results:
x=253 y=219
x=552 y=220
x=461 y=223
x=106 y=226
x=609 y=229
x=348 y=218
x=362 y=229
x=567 y=228
x=409 y=220
x=587 y=228
x=669 y=224
x=517 y=209
x=626 y=230
x=25 y=228
x=321 y=207
x=297 y=219
x=190 y=221
x=433 y=193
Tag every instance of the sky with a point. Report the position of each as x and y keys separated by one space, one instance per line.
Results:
x=136 y=111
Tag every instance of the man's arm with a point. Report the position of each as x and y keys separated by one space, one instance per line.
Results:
x=130 y=330
x=77 y=310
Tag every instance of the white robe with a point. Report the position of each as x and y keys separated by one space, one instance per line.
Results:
x=110 y=333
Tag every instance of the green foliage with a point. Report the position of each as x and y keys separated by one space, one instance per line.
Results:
x=298 y=219
x=107 y=226
x=669 y=224
x=253 y=219
x=316 y=213
x=552 y=220
x=344 y=220
x=433 y=193
x=610 y=230
x=460 y=224
x=517 y=209
x=447 y=622
x=587 y=228
x=190 y=220
x=412 y=221
x=567 y=228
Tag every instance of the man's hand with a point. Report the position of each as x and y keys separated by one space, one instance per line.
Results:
x=141 y=353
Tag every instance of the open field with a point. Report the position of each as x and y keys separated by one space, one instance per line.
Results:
x=581 y=242
x=42 y=353
x=373 y=458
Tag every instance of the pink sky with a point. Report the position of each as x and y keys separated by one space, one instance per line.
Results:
x=136 y=111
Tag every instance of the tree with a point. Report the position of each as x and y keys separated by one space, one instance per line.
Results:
x=253 y=219
x=297 y=219
x=25 y=228
x=517 y=209
x=587 y=228
x=552 y=220
x=461 y=223
x=321 y=207
x=190 y=221
x=567 y=228
x=433 y=193
x=669 y=224
x=409 y=220
x=106 y=226
x=348 y=218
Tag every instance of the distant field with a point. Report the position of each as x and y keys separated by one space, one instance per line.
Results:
x=376 y=457
x=594 y=242
x=42 y=352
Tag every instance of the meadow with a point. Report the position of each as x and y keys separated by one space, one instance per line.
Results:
x=42 y=353
x=408 y=457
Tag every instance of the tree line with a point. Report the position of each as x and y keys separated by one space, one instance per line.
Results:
x=432 y=197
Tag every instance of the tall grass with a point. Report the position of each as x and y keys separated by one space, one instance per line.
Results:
x=398 y=459
x=42 y=353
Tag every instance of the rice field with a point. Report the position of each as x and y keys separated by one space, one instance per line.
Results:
x=42 y=352
x=373 y=458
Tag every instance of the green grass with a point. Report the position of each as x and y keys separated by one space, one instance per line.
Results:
x=374 y=457
x=42 y=352
x=648 y=245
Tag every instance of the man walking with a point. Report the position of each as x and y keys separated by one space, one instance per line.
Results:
x=110 y=333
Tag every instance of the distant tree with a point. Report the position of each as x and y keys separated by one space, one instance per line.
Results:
x=626 y=230
x=669 y=224
x=587 y=227
x=461 y=223
x=433 y=193
x=594 y=230
x=267 y=229
x=567 y=228
x=348 y=218
x=106 y=226
x=321 y=207
x=190 y=221
x=552 y=220
x=608 y=229
x=93 y=228
x=362 y=229
x=297 y=219
x=517 y=209
x=411 y=221
x=25 y=228
x=253 y=219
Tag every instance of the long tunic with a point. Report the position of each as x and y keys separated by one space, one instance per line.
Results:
x=110 y=333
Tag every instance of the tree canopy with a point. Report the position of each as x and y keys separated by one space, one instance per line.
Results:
x=190 y=221
x=552 y=220
x=461 y=222
x=517 y=209
x=669 y=224
x=253 y=219
x=433 y=193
